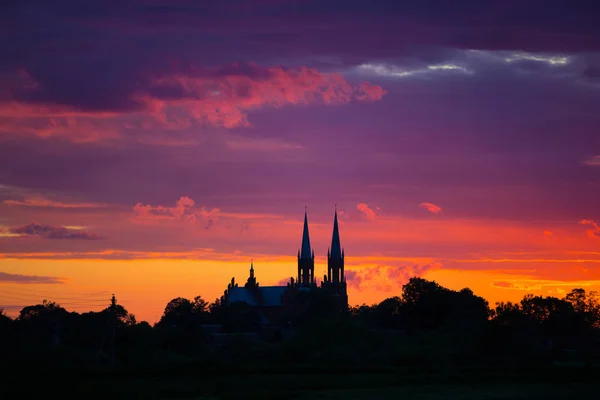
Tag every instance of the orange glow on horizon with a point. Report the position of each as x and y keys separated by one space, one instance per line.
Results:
x=499 y=260
x=145 y=286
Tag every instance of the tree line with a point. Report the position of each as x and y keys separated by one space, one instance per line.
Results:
x=426 y=324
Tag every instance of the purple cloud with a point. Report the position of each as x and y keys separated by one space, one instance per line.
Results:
x=53 y=232
x=30 y=279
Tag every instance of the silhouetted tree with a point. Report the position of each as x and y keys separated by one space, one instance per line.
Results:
x=556 y=317
x=177 y=311
x=507 y=314
x=468 y=309
x=123 y=317
x=181 y=323
x=5 y=326
x=427 y=325
x=199 y=305
x=181 y=311
x=388 y=314
x=543 y=308
x=427 y=305
x=420 y=290
x=216 y=311
x=47 y=309
x=43 y=322
x=540 y=324
x=4 y=319
x=587 y=305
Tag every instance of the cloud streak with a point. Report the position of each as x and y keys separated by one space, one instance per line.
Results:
x=40 y=201
x=259 y=144
x=30 y=279
x=396 y=72
x=593 y=162
x=53 y=232
x=516 y=286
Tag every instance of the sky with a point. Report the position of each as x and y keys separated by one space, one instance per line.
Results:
x=151 y=149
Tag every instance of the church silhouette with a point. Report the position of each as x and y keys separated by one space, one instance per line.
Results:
x=270 y=301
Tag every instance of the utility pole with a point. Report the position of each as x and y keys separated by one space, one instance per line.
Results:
x=113 y=307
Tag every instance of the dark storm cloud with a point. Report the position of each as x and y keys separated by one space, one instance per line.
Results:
x=93 y=55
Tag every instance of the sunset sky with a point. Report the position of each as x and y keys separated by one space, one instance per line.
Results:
x=152 y=148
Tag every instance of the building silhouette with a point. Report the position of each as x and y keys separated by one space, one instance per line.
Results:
x=272 y=300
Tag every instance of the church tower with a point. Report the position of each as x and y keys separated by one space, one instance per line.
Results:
x=251 y=282
x=306 y=258
x=335 y=280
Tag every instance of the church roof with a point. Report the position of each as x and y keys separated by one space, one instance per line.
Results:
x=243 y=295
x=270 y=295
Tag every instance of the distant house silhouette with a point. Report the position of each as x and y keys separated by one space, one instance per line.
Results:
x=271 y=300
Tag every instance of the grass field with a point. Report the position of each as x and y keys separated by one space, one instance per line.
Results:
x=556 y=383
x=456 y=392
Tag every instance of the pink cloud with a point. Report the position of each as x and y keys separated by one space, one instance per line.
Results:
x=595 y=231
x=368 y=92
x=367 y=212
x=181 y=99
x=41 y=201
x=223 y=97
x=14 y=109
x=386 y=277
x=431 y=207
x=78 y=129
x=594 y=161
x=184 y=210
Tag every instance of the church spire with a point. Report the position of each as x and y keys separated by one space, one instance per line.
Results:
x=305 y=251
x=336 y=247
x=251 y=282
x=306 y=258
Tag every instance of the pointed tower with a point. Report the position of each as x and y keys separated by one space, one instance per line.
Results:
x=251 y=282
x=306 y=258
x=336 y=279
x=335 y=259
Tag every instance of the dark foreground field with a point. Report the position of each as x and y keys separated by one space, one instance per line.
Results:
x=553 y=382
x=431 y=343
